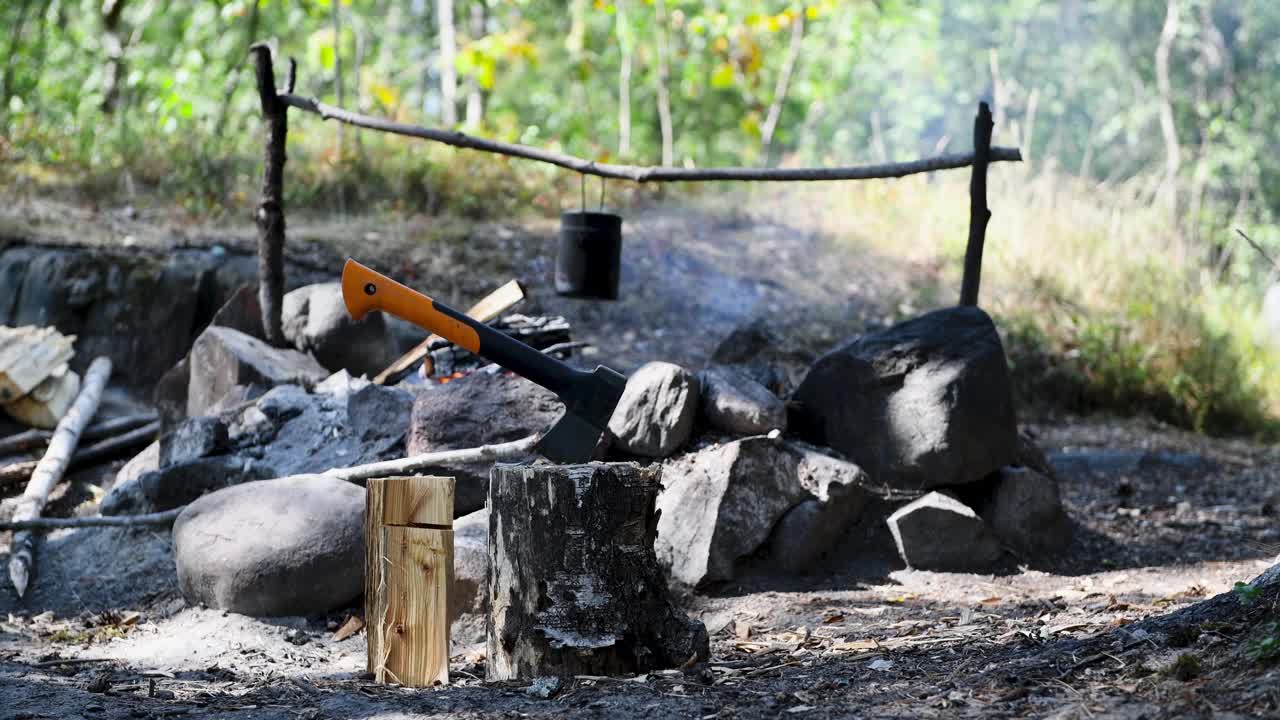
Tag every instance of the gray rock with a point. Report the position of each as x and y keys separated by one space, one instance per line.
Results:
x=315 y=320
x=1270 y=576
x=176 y=485
x=720 y=504
x=938 y=532
x=144 y=462
x=191 y=439
x=479 y=409
x=377 y=414
x=242 y=312
x=923 y=404
x=656 y=413
x=763 y=355
x=733 y=402
x=467 y=593
x=170 y=392
x=1025 y=512
x=223 y=358
x=804 y=534
x=290 y=546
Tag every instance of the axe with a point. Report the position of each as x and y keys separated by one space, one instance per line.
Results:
x=589 y=397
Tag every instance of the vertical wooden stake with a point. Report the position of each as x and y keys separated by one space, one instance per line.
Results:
x=408 y=571
x=979 y=213
x=270 y=213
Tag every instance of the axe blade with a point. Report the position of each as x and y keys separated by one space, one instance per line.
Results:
x=571 y=440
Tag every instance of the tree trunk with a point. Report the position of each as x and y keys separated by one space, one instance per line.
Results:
x=979 y=213
x=114 y=47
x=784 y=79
x=448 y=64
x=51 y=467
x=664 y=99
x=574 y=586
x=1172 y=151
x=624 y=80
x=475 y=96
x=233 y=73
x=270 y=214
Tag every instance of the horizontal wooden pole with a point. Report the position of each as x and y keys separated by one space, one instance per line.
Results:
x=647 y=174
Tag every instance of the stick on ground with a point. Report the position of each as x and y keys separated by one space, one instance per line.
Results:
x=51 y=467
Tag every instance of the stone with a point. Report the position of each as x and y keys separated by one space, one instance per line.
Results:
x=923 y=404
x=377 y=414
x=467 y=591
x=242 y=312
x=760 y=353
x=315 y=320
x=804 y=534
x=720 y=504
x=173 y=486
x=1024 y=510
x=733 y=402
x=289 y=546
x=170 y=392
x=938 y=532
x=191 y=439
x=655 y=416
x=223 y=358
x=478 y=409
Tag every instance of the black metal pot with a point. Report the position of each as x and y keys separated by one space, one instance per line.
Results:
x=590 y=259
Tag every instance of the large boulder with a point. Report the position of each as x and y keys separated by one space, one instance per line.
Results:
x=938 y=532
x=223 y=358
x=315 y=320
x=720 y=504
x=656 y=413
x=290 y=546
x=479 y=409
x=735 y=403
x=923 y=404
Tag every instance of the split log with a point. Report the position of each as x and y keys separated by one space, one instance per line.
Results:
x=408 y=571
x=574 y=586
x=490 y=307
x=45 y=405
x=28 y=355
x=51 y=467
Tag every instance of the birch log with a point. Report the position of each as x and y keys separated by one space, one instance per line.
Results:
x=51 y=467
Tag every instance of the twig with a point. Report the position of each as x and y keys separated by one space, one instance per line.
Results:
x=165 y=517
x=51 y=467
x=71 y=661
x=35 y=438
x=1258 y=247
x=16 y=473
x=645 y=174
x=500 y=451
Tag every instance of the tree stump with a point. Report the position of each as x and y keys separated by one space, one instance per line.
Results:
x=574 y=586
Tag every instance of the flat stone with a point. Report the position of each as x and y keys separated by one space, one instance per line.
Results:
x=735 y=403
x=290 y=546
x=223 y=358
x=923 y=404
x=938 y=532
x=191 y=439
x=656 y=413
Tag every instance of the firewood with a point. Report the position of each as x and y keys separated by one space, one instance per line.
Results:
x=574 y=586
x=164 y=517
x=51 y=467
x=45 y=405
x=28 y=355
x=493 y=305
x=408 y=568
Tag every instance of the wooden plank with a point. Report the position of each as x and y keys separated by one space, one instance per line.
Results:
x=408 y=571
x=490 y=307
x=416 y=500
x=28 y=355
x=45 y=405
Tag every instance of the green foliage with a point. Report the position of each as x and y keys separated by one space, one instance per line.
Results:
x=1246 y=593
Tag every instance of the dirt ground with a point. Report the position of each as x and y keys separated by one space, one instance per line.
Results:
x=1135 y=619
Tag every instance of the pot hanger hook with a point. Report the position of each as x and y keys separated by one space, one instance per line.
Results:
x=601 y=193
x=582 y=185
